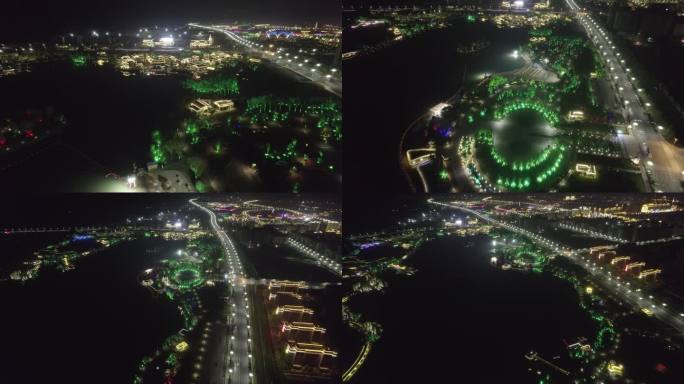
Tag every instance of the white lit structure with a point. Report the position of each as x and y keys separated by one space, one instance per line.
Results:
x=166 y=42
x=437 y=109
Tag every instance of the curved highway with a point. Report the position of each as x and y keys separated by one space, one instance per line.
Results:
x=598 y=274
x=329 y=79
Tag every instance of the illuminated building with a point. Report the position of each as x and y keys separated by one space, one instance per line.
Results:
x=208 y=43
x=165 y=42
x=660 y=206
x=620 y=259
x=301 y=332
x=586 y=170
x=649 y=272
x=636 y=264
x=575 y=116
x=333 y=227
x=224 y=105
x=294 y=312
x=286 y=285
x=310 y=355
x=615 y=369
x=200 y=107
x=207 y=107
x=600 y=248
x=437 y=109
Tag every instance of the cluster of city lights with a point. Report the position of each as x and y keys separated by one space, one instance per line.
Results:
x=550 y=115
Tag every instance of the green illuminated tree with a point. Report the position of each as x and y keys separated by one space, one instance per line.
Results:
x=159 y=155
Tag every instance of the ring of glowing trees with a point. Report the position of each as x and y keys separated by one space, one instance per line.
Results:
x=537 y=173
x=527 y=253
x=185 y=276
x=549 y=114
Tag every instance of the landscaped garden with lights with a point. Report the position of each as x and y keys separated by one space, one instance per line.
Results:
x=536 y=128
x=181 y=279
x=266 y=141
x=228 y=121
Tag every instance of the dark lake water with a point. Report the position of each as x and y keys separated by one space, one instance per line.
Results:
x=110 y=119
x=92 y=324
x=459 y=317
x=385 y=92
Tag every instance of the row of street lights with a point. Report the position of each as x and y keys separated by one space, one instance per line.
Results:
x=564 y=250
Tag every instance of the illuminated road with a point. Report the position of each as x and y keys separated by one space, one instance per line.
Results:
x=320 y=259
x=330 y=79
x=599 y=275
x=239 y=357
x=661 y=162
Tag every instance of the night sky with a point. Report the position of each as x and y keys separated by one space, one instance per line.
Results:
x=32 y=20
